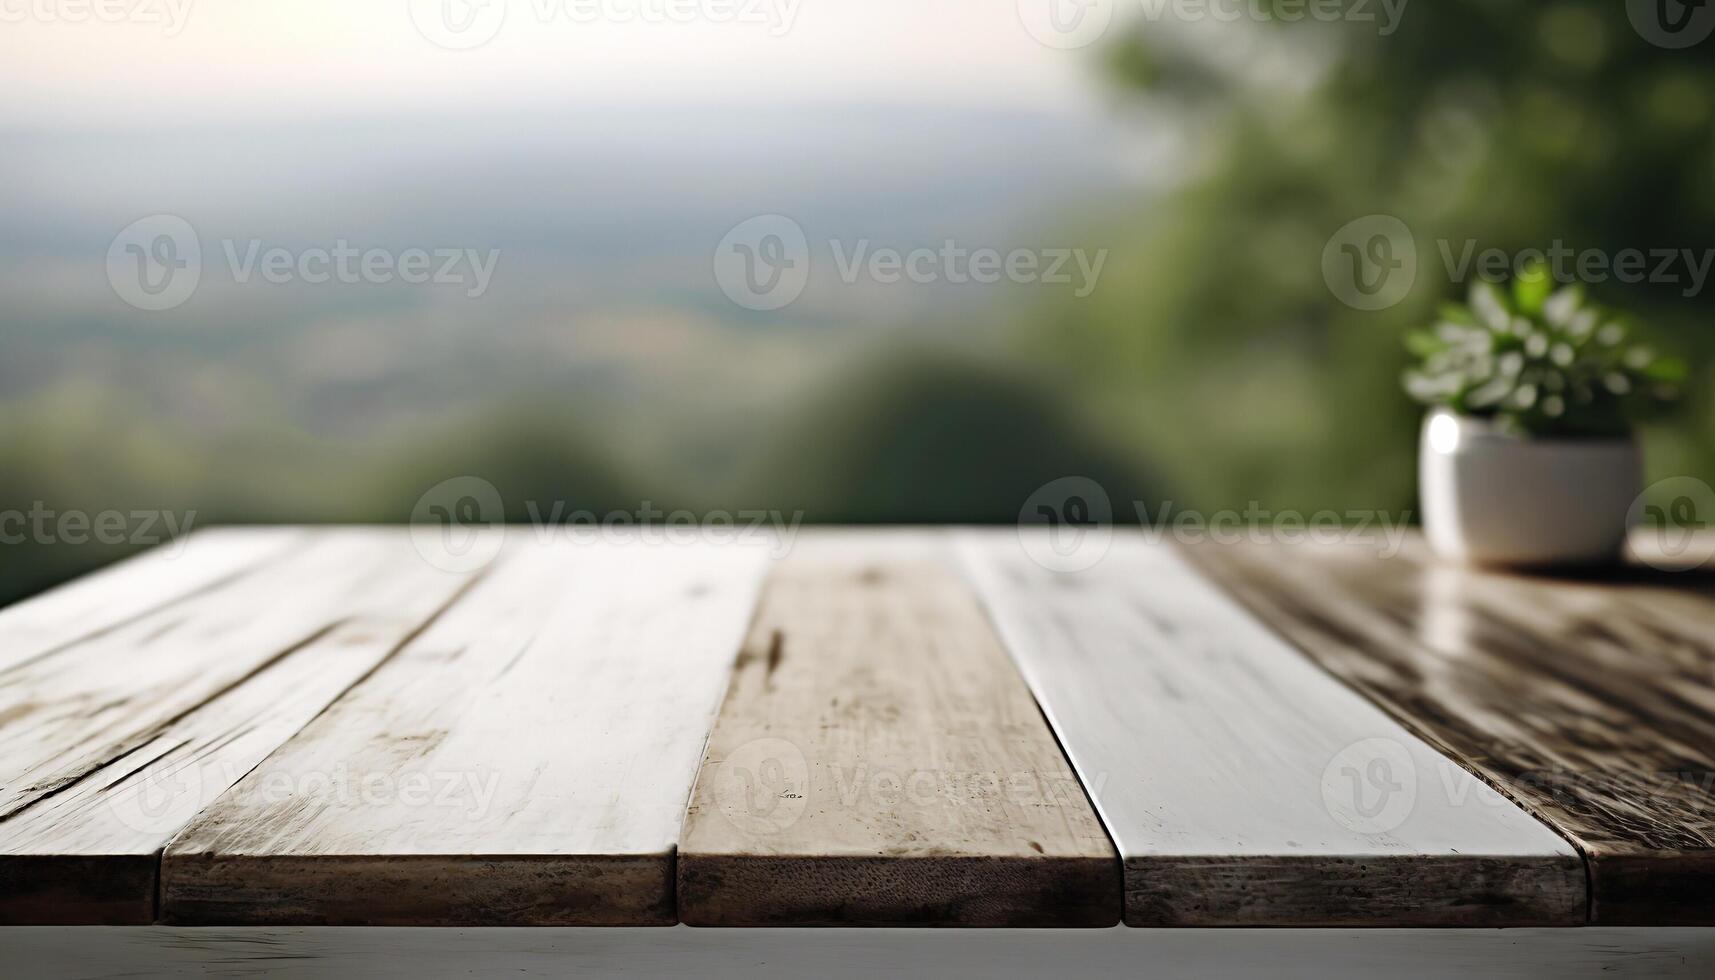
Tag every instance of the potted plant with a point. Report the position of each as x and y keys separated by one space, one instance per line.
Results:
x=1528 y=455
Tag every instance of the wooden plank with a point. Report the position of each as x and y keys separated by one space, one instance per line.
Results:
x=878 y=761
x=1591 y=702
x=115 y=595
x=526 y=761
x=86 y=846
x=1222 y=762
x=89 y=852
x=67 y=715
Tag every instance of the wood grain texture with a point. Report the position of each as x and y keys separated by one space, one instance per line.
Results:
x=1591 y=701
x=87 y=849
x=115 y=595
x=525 y=761
x=879 y=762
x=1242 y=785
x=67 y=715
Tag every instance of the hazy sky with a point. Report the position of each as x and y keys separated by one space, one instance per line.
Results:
x=266 y=59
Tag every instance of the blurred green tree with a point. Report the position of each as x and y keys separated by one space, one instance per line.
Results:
x=1506 y=124
x=919 y=435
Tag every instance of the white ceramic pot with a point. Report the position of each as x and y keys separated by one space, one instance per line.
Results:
x=1491 y=498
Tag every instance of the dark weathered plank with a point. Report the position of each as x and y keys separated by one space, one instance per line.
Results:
x=878 y=761
x=524 y=761
x=1222 y=761
x=1591 y=701
x=130 y=739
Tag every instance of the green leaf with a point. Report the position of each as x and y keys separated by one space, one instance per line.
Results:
x=1454 y=313
x=1424 y=343
x=1539 y=360
x=1667 y=369
x=1531 y=288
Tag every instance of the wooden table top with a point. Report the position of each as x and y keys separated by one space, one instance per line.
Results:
x=295 y=726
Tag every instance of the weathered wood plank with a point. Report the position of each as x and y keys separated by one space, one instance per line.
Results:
x=525 y=761
x=878 y=761
x=88 y=848
x=89 y=852
x=1242 y=785
x=65 y=716
x=1591 y=702
x=119 y=593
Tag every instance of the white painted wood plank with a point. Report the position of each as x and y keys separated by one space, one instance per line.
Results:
x=90 y=852
x=1589 y=701
x=531 y=756
x=1242 y=785
x=119 y=593
x=860 y=954
x=67 y=715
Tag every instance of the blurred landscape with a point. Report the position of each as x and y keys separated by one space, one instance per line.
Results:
x=1211 y=365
